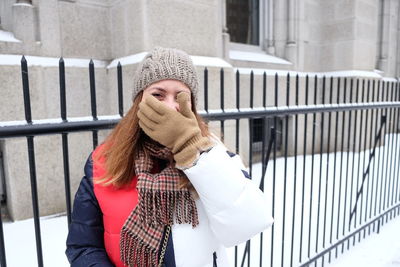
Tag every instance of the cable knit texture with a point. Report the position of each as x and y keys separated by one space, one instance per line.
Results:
x=162 y=64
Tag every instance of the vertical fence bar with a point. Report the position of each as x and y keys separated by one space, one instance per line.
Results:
x=35 y=200
x=382 y=154
x=359 y=161
x=321 y=153
x=67 y=176
x=368 y=126
x=385 y=156
x=327 y=164
x=264 y=86
x=373 y=127
x=304 y=172
x=382 y=141
x=347 y=165
x=334 y=168
x=274 y=172
x=251 y=89
x=237 y=107
x=397 y=146
x=365 y=153
x=348 y=158
x=25 y=86
x=3 y=260
x=120 y=90
x=374 y=120
x=391 y=137
x=341 y=163
x=64 y=136
x=352 y=164
x=32 y=164
x=387 y=147
x=237 y=128
x=371 y=173
x=263 y=155
x=248 y=244
x=295 y=167
x=63 y=99
x=397 y=127
x=92 y=90
x=93 y=101
x=206 y=89
x=312 y=167
x=376 y=158
x=222 y=101
x=285 y=170
x=394 y=132
x=387 y=150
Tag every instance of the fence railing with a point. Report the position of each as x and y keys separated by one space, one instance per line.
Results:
x=330 y=164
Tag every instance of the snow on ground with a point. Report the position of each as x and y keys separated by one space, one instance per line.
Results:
x=377 y=250
x=21 y=245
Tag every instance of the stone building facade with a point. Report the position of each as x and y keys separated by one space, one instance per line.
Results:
x=350 y=38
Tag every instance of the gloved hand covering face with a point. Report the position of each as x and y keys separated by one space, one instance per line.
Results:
x=178 y=131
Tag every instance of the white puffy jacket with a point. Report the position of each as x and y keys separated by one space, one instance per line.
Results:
x=231 y=210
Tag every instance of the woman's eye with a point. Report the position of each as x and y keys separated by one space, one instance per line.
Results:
x=157 y=95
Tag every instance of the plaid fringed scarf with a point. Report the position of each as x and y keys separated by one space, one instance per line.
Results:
x=160 y=200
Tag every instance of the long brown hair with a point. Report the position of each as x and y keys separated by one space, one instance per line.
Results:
x=123 y=144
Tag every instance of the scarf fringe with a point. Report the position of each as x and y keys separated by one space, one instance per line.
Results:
x=136 y=253
x=157 y=207
x=161 y=202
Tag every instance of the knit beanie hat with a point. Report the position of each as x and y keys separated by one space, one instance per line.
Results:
x=163 y=64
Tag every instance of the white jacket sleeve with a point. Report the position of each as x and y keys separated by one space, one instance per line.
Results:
x=236 y=208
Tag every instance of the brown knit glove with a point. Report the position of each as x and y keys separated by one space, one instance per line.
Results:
x=178 y=131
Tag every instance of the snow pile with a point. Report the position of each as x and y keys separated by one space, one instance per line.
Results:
x=21 y=245
x=8 y=37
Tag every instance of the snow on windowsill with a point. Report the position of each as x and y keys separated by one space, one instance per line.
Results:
x=256 y=57
x=132 y=59
x=15 y=60
x=197 y=61
x=8 y=37
x=328 y=74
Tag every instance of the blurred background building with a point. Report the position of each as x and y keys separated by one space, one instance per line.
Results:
x=349 y=38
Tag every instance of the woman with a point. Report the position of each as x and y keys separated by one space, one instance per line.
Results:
x=161 y=191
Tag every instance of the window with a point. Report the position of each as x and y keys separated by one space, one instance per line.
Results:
x=243 y=21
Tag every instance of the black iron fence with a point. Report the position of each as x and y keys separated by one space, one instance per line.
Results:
x=329 y=164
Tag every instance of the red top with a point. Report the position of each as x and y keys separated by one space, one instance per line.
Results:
x=116 y=204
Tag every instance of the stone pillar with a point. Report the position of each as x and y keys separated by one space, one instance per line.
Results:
x=269 y=43
x=291 y=46
x=225 y=35
x=24 y=21
x=397 y=74
x=383 y=36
